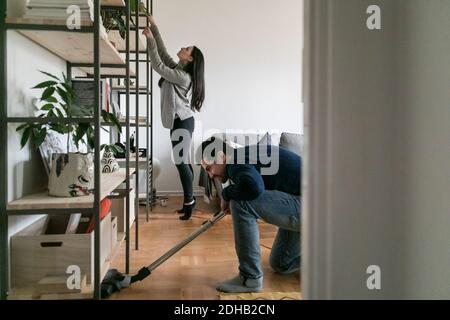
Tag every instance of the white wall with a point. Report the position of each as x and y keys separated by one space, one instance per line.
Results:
x=25 y=171
x=253 y=67
x=423 y=149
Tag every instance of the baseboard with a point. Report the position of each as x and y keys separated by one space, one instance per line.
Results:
x=175 y=193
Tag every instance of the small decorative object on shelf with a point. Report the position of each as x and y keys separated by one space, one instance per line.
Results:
x=109 y=161
x=71 y=173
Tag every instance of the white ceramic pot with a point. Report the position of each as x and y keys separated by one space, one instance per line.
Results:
x=71 y=175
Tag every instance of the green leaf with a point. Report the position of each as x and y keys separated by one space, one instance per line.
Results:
x=51 y=114
x=91 y=137
x=25 y=136
x=39 y=137
x=80 y=132
x=116 y=122
x=49 y=74
x=57 y=127
x=60 y=114
x=80 y=111
x=45 y=84
x=48 y=93
x=48 y=107
x=51 y=99
x=21 y=127
x=69 y=89
x=105 y=115
x=63 y=94
x=118 y=149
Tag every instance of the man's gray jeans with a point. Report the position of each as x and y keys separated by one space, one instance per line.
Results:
x=274 y=207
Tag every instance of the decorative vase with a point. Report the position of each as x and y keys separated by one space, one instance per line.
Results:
x=109 y=162
x=71 y=175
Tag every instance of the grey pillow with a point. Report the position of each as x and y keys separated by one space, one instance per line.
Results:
x=292 y=142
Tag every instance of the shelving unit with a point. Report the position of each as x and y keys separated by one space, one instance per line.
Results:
x=137 y=89
x=90 y=50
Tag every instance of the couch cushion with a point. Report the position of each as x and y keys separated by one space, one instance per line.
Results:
x=265 y=140
x=292 y=142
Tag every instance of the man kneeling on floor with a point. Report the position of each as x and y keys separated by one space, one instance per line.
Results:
x=258 y=191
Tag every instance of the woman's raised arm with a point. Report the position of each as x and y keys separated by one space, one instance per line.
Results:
x=173 y=75
x=162 y=51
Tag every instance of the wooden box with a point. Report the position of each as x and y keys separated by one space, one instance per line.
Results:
x=35 y=255
x=118 y=209
x=113 y=233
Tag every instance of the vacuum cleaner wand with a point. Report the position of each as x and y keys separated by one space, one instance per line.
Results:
x=146 y=271
x=114 y=280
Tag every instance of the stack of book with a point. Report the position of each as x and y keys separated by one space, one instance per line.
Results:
x=60 y=10
x=84 y=90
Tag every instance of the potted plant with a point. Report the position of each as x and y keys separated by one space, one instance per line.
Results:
x=141 y=5
x=71 y=173
x=113 y=19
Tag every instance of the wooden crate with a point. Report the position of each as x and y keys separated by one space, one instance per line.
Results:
x=118 y=209
x=35 y=255
x=113 y=233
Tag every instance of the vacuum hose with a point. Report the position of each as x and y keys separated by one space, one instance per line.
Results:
x=146 y=271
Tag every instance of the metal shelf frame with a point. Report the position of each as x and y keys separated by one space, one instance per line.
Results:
x=148 y=91
x=95 y=120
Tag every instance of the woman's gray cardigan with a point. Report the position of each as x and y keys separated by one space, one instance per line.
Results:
x=176 y=90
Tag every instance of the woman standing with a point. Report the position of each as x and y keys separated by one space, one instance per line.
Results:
x=182 y=93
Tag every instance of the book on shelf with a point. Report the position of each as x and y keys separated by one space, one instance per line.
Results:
x=59 y=3
x=85 y=94
x=58 y=10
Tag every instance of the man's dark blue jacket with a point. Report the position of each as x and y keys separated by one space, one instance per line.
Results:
x=246 y=178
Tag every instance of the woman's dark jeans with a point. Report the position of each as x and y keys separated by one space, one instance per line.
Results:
x=181 y=137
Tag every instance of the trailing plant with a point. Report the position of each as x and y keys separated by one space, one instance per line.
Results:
x=141 y=5
x=113 y=19
x=58 y=102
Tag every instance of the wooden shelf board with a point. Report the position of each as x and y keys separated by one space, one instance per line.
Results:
x=114 y=37
x=132 y=160
x=75 y=47
x=111 y=71
x=109 y=182
x=113 y=3
x=52 y=22
x=132 y=88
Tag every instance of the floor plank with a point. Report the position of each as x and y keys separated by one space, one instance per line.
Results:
x=193 y=272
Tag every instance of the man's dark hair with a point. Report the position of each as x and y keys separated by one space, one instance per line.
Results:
x=212 y=146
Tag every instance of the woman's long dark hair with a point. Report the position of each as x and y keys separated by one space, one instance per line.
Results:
x=196 y=69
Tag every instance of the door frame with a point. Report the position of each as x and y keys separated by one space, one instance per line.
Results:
x=317 y=178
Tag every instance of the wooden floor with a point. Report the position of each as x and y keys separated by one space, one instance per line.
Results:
x=194 y=271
